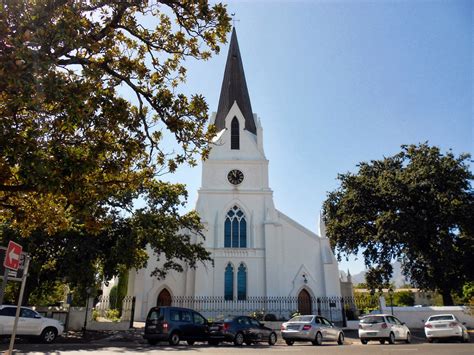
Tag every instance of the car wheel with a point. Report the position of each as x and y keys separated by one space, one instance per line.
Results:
x=174 y=338
x=340 y=339
x=465 y=337
x=382 y=341
x=318 y=340
x=408 y=339
x=152 y=341
x=289 y=342
x=213 y=342
x=49 y=335
x=190 y=342
x=363 y=341
x=272 y=339
x=239 y=339
x=391 y=338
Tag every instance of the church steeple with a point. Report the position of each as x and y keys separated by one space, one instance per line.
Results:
x=234 y=88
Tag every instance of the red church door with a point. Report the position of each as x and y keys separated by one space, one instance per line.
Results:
x=164 y=298
x=304 y=302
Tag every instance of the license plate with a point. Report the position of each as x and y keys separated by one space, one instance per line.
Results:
x=214 y=328
x=440 y=326
x=151 y=326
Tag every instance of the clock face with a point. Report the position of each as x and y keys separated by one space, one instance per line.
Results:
x=235 y=177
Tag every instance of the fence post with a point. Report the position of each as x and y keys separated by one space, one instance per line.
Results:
x=132 y=313
x=343 y=309
x=318 y=301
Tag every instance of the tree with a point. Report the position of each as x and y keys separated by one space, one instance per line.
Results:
x=416 y=207
x=72 y=149
x=404 y=298
x=91 y=117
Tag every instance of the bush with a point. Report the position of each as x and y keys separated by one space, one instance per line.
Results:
x=113 y=315
x=258 y=315
x=270 y=317
x=95 y=314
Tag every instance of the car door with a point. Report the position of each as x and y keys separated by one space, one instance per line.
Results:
x=394 y=327
x=403 y=329
x=201 y=328
x=328 y=329
x=29 y=322
x=259 y=333
x=7 y=318
x=186 y=325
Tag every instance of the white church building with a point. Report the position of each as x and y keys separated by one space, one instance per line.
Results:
x=259 y=252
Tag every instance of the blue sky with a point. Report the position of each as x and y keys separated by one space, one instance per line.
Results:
x=340 y=82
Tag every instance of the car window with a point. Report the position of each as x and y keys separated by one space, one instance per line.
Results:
x=301 y=319
x=254 y=322
x=372 y=320
x=325 y=321
x=156 y=315
x=27 y=313
x=8 y=311
x=242 y=321
x=397 y=321
x=436 y=318
x=198 y=319
x=186 y=316
x=174 y=316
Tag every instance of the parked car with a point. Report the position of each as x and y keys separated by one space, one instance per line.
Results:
x=383 y=327
x=30 y=324
x=174 y=324
x=315 y=329
x=445 y=326
x=239 y=330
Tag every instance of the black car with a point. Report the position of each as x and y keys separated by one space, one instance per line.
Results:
x=239 y=330
x=174 y=324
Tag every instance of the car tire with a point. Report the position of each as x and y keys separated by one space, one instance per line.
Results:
x=289 y=342
x=363 y=341
x=239 y=339
x=340 y=339
x=382 y=341
x=318 y=340
x=49 y=335
x=272 y=339
x=408 y=339
x=391 y=338
x=465 y=337
x=174 y=339
x=190 y=342
x=152 y=341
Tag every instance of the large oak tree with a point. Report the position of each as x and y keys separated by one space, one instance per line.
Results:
x=88 y=95
x=416 y=207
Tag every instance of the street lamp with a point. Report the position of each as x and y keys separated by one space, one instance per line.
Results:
x=390 y=293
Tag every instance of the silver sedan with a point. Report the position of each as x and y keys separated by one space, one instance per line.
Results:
x=315 y=329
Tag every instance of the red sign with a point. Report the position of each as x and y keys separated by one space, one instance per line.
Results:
x=12 y=256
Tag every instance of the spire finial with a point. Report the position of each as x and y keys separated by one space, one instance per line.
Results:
x=234 y=20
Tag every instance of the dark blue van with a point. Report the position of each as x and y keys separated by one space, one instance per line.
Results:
x=174 y=324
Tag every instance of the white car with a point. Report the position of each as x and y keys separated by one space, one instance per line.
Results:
x=445 y=326
x=383 y=327
x=30 y=324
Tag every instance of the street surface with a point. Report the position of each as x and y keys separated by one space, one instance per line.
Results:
x=132 y=342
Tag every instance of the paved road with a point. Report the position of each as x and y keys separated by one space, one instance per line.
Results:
x=354 y=349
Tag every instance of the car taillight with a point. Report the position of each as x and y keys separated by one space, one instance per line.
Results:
x=453 y=324
x=165 y=326
x=384 y=325
x=226 y=326
x=283 y=327
x=428 y=325
x=306 y=327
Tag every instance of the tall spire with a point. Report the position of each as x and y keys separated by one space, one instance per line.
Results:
x=234 y=88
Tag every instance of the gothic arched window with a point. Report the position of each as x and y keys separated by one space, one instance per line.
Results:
x=235 y=229
x=229 y=282
x=234 y=134
x=242 y=282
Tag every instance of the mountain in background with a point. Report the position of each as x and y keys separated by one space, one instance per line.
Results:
x=397 y=278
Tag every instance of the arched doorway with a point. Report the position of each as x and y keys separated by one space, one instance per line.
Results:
x=164 y=298
x=304 y=302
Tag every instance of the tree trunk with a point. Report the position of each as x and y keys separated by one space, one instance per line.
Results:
x=447 y=298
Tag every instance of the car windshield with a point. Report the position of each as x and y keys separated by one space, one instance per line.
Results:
x=372 y=320
x=224 y=320
x=436 y=318
x=301 y=319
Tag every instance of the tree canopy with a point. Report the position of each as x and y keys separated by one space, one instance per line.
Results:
x=416 y=207
x=91 y=117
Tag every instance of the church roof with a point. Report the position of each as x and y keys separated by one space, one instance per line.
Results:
x=234 y=88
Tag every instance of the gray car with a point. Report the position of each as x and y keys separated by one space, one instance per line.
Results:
x=315 y=329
